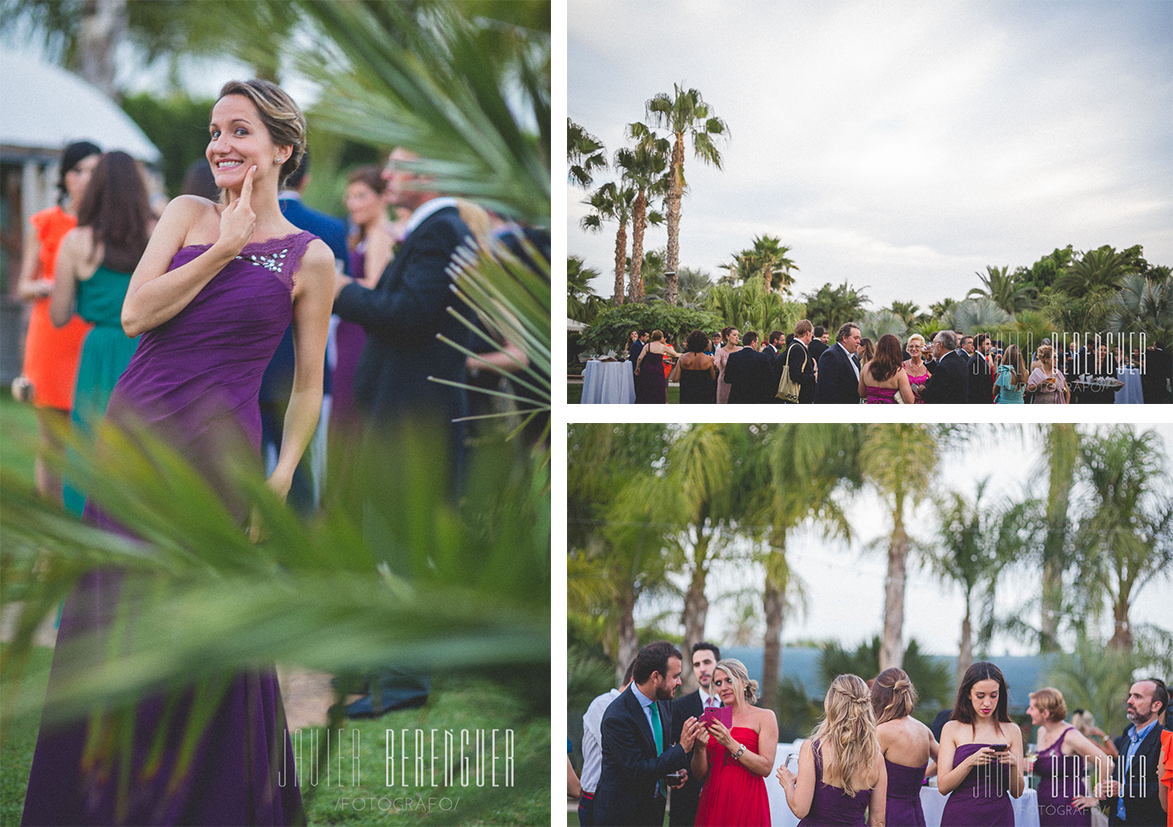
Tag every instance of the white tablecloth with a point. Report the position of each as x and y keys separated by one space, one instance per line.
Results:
x=608 y=383
x=1026 y=810
x=1131 y=393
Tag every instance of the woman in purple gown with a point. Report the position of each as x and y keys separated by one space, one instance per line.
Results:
x=906 y=744
x=841 y=771
x=980 y=761
x=211 y=297
x=651 y=382
x=1061 y=762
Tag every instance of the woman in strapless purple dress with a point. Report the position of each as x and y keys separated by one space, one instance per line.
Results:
x=211 y=297
x=837 y=784
x=882 y=380
x=980 y=761
x=906 y=744
x=1063 y=756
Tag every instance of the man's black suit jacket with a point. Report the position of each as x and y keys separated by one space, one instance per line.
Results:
x=1141 y=805
x=979 y=387
x=626 y=794
x=402 y=316
x=817 y=348
x=948 y=383
x=685 y=799
x=1158 y=370
x=750 y=377
x=838 y=382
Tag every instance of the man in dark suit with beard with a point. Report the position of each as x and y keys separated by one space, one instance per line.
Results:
x=950 y=378
x=685 y=799
x=637 y=751
x=838 y=380
x=749 y=374
x=1131 y=796
x=979 y=389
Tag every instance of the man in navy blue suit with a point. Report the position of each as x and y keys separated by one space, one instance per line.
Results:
x=406 y=312
x=838 y=374
x=947 y=385
x=637 y=751
x=277 y=382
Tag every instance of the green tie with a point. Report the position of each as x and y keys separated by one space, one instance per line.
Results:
x=658 y=735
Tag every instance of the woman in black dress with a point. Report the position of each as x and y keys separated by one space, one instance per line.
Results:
x=698 y=374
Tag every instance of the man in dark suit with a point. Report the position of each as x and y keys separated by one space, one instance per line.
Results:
x=404 y=316
x=774 y=345
x=818 y=343
x=639 y=344
x=1130 y=797
x=1158 y=371
x=979 y=388
x=838 y=379
x=277 y=383
x=749 y=374
x=637 y=751
x=950 y=378
x=705 y=657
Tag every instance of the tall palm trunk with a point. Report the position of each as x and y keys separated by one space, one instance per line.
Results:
x=638 y=223
x=675 y=193
x=965 y=655
x=774 y=604
x=103 y=25
x=696 y=604
x=1122 y=636
x=1063 y=449
x=628 y=640
x=768 y=276
x=620 y=263
x=892 y=648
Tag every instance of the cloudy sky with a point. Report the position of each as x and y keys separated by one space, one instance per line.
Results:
x=844 y=582
x=898 y=145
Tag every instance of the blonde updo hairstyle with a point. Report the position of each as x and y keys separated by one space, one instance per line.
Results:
x=893 y=695
x=281 y=116
x=1044 y=352
x=849 y=726
x=1049 y=701
x=737 y=671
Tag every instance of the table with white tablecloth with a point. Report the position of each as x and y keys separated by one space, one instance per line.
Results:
x=1026 y=809
x=608 y=383
x=1132 y=392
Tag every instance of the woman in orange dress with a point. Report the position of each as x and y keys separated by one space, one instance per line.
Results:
x=51 y=354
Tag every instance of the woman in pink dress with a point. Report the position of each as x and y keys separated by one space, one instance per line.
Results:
x=914 y=366
x=733 y=763
x=1046 y=382
x=882 y=379
x=731 y=337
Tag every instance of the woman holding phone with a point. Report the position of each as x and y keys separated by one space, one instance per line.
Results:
x=980 y=759
x=735 y=760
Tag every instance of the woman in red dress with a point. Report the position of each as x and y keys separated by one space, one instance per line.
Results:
x=735 y=762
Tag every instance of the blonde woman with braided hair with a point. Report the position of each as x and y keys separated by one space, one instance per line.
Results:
x=840 y=767
x=906 y=744
x=734 y=761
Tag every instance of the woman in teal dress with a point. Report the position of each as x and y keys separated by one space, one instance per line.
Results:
x=1011 y=377
x=94 y=266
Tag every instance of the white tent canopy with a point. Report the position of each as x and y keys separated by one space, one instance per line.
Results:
x=574 y=327
x=45 y=107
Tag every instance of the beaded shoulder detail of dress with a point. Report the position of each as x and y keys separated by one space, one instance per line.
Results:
x=280 y=256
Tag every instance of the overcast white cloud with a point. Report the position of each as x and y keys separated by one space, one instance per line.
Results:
x=902 y=146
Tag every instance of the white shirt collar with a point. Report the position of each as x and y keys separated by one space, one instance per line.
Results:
x=424 y=210
x=705 y=697
x=289 y=195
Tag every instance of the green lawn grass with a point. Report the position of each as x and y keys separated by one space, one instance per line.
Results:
x=456 y=704
x=574 y=394
x=17 y=420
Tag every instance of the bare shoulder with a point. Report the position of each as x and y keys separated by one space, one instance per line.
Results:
x=950 y=730
x=191 y=220
x=318 y=257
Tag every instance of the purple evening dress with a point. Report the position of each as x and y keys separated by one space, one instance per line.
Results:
x=904 y=785
x=1060 y=780
x=831 y=805
x=983 y=797
x=194 y=380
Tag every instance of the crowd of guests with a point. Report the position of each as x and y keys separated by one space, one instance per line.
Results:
x=805 y=366
x=706 y=757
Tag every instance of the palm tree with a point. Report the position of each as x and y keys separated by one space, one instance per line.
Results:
x=831 y=307
x=875 y=324
x=685 y=114
x=694 y=285
x=980 y=316
x=1096 y=270
x=974 y=544
x=908 y=311
x=1143 y=304
x=1062 y=445
x=644 y=169
x=793 y=476
x=1003 y=289
x=1127 y=535
x=943 y=308
x=767 y=259
x=612 y=202
x=582 y=297
x=898 y=460
x=585 y=153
